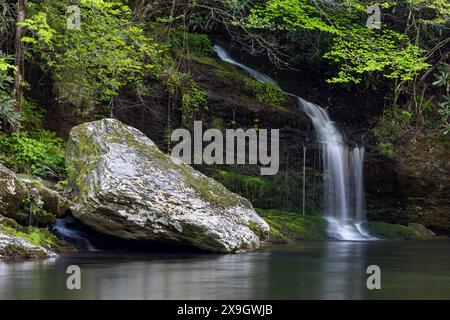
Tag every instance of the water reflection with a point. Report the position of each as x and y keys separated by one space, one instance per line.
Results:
x=343 y=270
x=310 y=270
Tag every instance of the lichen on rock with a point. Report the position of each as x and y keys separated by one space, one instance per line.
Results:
x=22 y=195
x=128 y=188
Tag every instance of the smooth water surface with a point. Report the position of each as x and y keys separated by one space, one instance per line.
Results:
x=308 y=270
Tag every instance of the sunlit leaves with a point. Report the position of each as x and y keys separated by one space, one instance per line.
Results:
x=354 y=48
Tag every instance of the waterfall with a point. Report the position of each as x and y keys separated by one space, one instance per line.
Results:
x=343 y=166
x=65 y=229
x=343 y=169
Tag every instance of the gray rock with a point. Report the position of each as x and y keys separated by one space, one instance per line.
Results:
x=12 y=192
x=421 y=228
x=128 y=188
x=50 y=200
x=12 y=247
x=18 y=192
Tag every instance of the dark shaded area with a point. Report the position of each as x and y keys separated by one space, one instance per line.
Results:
x=84 y=238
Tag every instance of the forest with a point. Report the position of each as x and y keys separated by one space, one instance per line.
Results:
x=92 y=91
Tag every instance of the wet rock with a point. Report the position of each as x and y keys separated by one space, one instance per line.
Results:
x=129 y=189
x=13 y=193
x=12 y=247
x=49 y=199
x=20 y=196
x=413 y=187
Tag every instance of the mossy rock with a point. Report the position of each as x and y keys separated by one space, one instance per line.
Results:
x=286 y=227
x=18 y=242
x=128 y=188
x=19 y=252
x=40 y=237
x=383 y=230
x=12 y=193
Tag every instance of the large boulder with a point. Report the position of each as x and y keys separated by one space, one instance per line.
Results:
x=129 y=189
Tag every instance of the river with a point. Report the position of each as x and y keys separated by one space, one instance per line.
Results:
x=307 y=270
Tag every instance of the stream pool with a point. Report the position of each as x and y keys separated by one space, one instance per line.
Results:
x=307 y=270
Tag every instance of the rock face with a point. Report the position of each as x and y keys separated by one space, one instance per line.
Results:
x=415 y=186
x=421 y=228
x=129 y=189
x=12 y=192
x=17 y=194
x=12 y=247
x=49 y=199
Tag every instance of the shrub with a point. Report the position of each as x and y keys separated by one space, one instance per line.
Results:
x=9 y=118
x=196 y=43
x=266 y=93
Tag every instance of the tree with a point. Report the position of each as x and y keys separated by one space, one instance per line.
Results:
x=19 y=76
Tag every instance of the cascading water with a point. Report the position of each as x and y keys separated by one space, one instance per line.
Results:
x=261 y=77
x=343 y=167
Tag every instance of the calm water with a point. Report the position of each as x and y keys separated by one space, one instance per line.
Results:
x=309 y=270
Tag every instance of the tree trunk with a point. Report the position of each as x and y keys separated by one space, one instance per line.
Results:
x=19 y=61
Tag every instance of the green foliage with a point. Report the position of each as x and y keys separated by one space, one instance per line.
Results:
x=31 y=116
x=443 y=77
x=194 y=42
x=40 y=153
x=93 y=64
x=356 y=49
x=385 y=230
x=443 y=81
x=390 y=127
x=444 y=111
x=362 y=52
x=38 y=25
x=194 y=99
x=276 y=192
x=290 y=226
x=9 y=118
x=37 y=236
x=266 y=92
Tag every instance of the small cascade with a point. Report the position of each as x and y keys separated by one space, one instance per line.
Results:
x=66 y=229
x=261 y=77
x=343 y=166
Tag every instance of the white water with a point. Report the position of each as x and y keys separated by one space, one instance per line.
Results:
x=343 y=166
x=63 y=228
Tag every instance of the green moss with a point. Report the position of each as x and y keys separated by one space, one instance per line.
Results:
x=14 y=251
x=276 y=191
x=42 y=217
x=87 y=156
x=290 y=226
x=83 y=161
x=221 y=68
x=385 y=230
x=256 y=229
x=37 y=236
x=197 y=236
x=210 y=189
x=266 y=92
